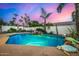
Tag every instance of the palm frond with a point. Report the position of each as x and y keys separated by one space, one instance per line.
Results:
x=42 y=16
x=43 y=12
x=59 y=9
x=48 y=15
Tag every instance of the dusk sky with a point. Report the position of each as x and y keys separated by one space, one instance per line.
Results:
x=34 y=11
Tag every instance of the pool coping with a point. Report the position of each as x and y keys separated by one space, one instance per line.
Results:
x=4 y=38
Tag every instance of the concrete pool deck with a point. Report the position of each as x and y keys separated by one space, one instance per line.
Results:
x=19 y=50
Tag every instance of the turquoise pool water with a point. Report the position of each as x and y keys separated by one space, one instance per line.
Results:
x=35 y=40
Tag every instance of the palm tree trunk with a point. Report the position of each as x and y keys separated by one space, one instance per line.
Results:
x=77 y=16
x=56 y=29
x=57 y=32
x=45 y=24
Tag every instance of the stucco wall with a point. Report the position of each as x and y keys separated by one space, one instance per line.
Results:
x=61 y=29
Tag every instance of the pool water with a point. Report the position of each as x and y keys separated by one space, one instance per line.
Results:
x=36 y=40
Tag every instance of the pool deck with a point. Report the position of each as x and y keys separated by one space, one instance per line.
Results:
x=19 y=50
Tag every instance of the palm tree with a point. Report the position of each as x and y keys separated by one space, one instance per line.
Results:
x=59 y=9
x=56 y=29
x=44 y=15
x=73 y=16
x=77 y=16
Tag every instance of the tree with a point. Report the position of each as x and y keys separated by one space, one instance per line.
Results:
x=1 y=23
x=44 y=15
x=15 y=19
x=77 y=16
x=26 y=19
x=21 y=21
x=11 y=22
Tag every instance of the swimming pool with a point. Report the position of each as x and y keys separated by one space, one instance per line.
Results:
x=35 y=40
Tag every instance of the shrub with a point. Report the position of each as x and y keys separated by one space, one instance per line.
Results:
x=72 y=32
x=41 y=30
x=12 y=30
x=23 y=30
x=19 y=30
x=51 y=33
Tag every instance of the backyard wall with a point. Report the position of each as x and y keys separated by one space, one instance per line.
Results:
x=61 y=29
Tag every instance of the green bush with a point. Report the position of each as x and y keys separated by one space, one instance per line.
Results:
x=51 y=33
x=72 y=32
x=12 y=30
x=23 y=30
x=41 y=30
x=19 y=30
